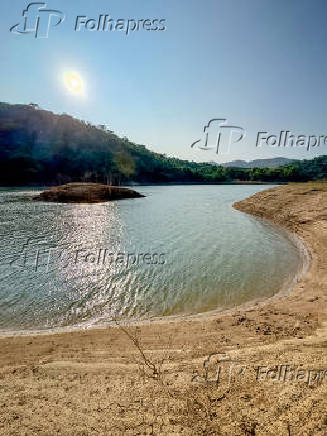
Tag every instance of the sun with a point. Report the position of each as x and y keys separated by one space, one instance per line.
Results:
x=74 y=83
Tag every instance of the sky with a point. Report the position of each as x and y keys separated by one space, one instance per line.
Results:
x=258 y=64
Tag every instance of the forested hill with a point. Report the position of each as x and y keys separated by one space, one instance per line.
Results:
x=39 y=147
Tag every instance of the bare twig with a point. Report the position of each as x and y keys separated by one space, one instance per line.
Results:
x=155 y=372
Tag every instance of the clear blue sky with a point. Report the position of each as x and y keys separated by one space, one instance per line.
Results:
x=261 y=64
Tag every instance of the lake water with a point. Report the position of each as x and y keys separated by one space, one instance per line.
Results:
x=180 y=250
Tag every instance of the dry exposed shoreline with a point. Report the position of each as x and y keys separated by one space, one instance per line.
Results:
x=138 y=381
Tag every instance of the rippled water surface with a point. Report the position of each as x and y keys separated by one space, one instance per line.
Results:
x=182 y=249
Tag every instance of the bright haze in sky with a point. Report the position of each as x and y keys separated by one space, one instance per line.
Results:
x=74 y=83
x=260 y=65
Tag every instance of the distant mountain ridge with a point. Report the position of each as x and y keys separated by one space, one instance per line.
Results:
x=274 y=162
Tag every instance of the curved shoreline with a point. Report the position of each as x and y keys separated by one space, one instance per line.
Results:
x=139 y=380
x=284 y=291
x=300 y=210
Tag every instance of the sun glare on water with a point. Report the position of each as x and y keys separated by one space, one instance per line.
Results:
x=74 y=83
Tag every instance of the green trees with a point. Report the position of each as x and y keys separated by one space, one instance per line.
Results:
x=39 y=147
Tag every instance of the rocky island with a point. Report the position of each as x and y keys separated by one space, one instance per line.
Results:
x=86 y=193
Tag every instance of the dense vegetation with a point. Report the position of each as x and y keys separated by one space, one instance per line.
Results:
x=39 y=147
